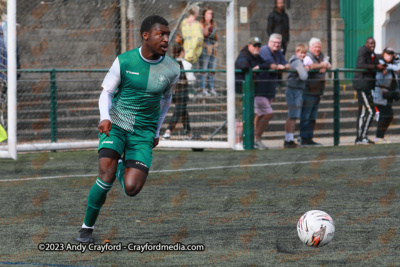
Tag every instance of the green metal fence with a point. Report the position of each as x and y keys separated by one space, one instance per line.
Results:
x=248 y=104
x=248 y=99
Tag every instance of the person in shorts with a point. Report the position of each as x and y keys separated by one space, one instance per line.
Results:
x=247 y=59
x=265 y=88
x=294 y=93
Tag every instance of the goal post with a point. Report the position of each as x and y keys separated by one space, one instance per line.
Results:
x=230 y=86
x=230 y=71
x=64 y=63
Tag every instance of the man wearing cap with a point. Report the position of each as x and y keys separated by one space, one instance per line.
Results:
x=364 y=83
x=248 y=58
x=265 y=89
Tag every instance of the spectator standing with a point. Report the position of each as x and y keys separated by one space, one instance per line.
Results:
x=278 y=22
x=314 y=89
x=248 y=58
x=294 y=93
x=364 y=83
x=265 y=89
x=180 y=98
x=191 y=36
x=386 y=90
x=208 y=56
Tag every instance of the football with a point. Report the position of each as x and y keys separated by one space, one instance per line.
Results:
x=315 y=228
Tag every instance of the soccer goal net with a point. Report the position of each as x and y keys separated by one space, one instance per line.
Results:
x=65 y=49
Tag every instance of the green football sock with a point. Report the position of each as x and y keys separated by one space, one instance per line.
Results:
x=96 y=199
x=120 y=173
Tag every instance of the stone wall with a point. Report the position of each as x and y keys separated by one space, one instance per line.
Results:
x=67 y=34
x=307 y=19
x=86 y=34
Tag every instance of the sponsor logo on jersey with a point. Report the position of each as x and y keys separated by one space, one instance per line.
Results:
x=131 y=72
x=108 y=142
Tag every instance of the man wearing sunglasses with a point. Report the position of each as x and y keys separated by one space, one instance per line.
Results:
x=248 y=58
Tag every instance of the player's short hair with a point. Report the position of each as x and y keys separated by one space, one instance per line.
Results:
x=301 y=47
x=275 y=36
x=150 y=21
x=314 y=40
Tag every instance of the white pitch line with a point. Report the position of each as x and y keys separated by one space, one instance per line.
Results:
x=48 y=177
x=210 y=168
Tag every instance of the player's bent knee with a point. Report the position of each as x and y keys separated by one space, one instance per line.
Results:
x=135 y=177
x=133 y=191
x=134 y=186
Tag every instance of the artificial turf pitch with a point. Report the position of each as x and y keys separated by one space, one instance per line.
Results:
x=242 y=206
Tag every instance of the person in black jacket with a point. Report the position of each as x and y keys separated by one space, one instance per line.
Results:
x=180 y=98
x=364 y=83
x=278 y=22
x=248 y=58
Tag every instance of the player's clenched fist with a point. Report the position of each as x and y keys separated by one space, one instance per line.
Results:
x=104 y=127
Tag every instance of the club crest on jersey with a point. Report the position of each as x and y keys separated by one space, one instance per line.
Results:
x=162 y=79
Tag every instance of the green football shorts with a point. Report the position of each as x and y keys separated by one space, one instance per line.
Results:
x=137 y=146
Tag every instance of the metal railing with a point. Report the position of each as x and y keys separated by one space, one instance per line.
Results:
x=248 y=98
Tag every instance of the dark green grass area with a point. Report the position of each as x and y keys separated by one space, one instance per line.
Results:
x=245 y=213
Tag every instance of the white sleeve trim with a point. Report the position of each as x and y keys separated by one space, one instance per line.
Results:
x=110 y=84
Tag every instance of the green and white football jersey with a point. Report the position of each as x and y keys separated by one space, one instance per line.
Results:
x=136 y=102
